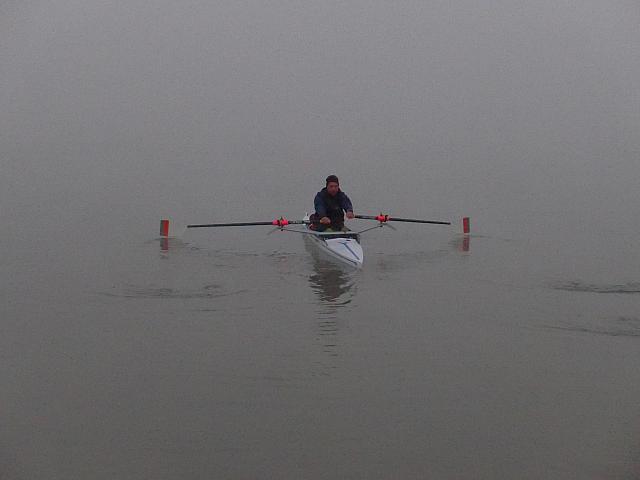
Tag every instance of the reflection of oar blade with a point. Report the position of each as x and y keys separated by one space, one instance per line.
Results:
x=386 y=218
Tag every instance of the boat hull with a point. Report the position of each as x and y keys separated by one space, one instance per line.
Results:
x=342 y=246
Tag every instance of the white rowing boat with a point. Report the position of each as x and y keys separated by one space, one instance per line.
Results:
x=343 y=246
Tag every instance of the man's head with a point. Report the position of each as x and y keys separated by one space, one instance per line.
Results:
x=333 y=185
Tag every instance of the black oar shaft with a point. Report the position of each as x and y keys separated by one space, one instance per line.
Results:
x=386 y=218
x=412 y=220
x=238 y=224
x=274 y=223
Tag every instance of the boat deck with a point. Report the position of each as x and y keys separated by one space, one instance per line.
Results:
x=335 y=234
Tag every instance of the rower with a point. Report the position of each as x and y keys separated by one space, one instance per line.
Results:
x=330 y=204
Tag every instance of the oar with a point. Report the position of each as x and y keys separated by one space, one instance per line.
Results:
x=386 y=218
x=278 y=222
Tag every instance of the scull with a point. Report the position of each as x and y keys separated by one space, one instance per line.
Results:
x=340 y=245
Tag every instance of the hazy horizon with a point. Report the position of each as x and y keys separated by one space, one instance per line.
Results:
x=235 y=350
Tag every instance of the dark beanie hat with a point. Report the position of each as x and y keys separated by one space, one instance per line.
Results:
x=332 y=178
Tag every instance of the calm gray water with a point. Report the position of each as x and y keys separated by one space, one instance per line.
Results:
x=235 y=354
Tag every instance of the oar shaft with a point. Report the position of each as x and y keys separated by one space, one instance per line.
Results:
x=387 y=218
x=238 y=224
x=412 y=220
x=275 y=223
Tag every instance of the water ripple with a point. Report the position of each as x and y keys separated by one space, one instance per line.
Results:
x=206 y=291
x=578 y=286
x=621 y=327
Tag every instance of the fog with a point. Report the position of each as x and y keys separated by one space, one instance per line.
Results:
x=183 y=104
x=524 y=116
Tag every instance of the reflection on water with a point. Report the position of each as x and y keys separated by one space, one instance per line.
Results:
x=330 y=280
x=334 y=286
x=168 y=244
x=462 y=244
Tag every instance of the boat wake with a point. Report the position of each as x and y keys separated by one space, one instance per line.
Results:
x=621 y=327
x=577 y=286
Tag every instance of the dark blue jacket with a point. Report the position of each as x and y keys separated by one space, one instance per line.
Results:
x=332 y=207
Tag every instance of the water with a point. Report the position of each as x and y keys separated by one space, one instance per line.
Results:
x=241 y=355
x=231 y=353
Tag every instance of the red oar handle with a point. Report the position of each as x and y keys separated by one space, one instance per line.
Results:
x=381 y=218
x=386 y=218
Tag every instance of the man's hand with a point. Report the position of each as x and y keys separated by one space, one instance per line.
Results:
x=350 y=215
x=325 y=221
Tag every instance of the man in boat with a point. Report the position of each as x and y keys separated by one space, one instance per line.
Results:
x=331 y=203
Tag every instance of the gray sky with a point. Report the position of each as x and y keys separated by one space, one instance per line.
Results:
x=118 y=357
x=496 y=100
